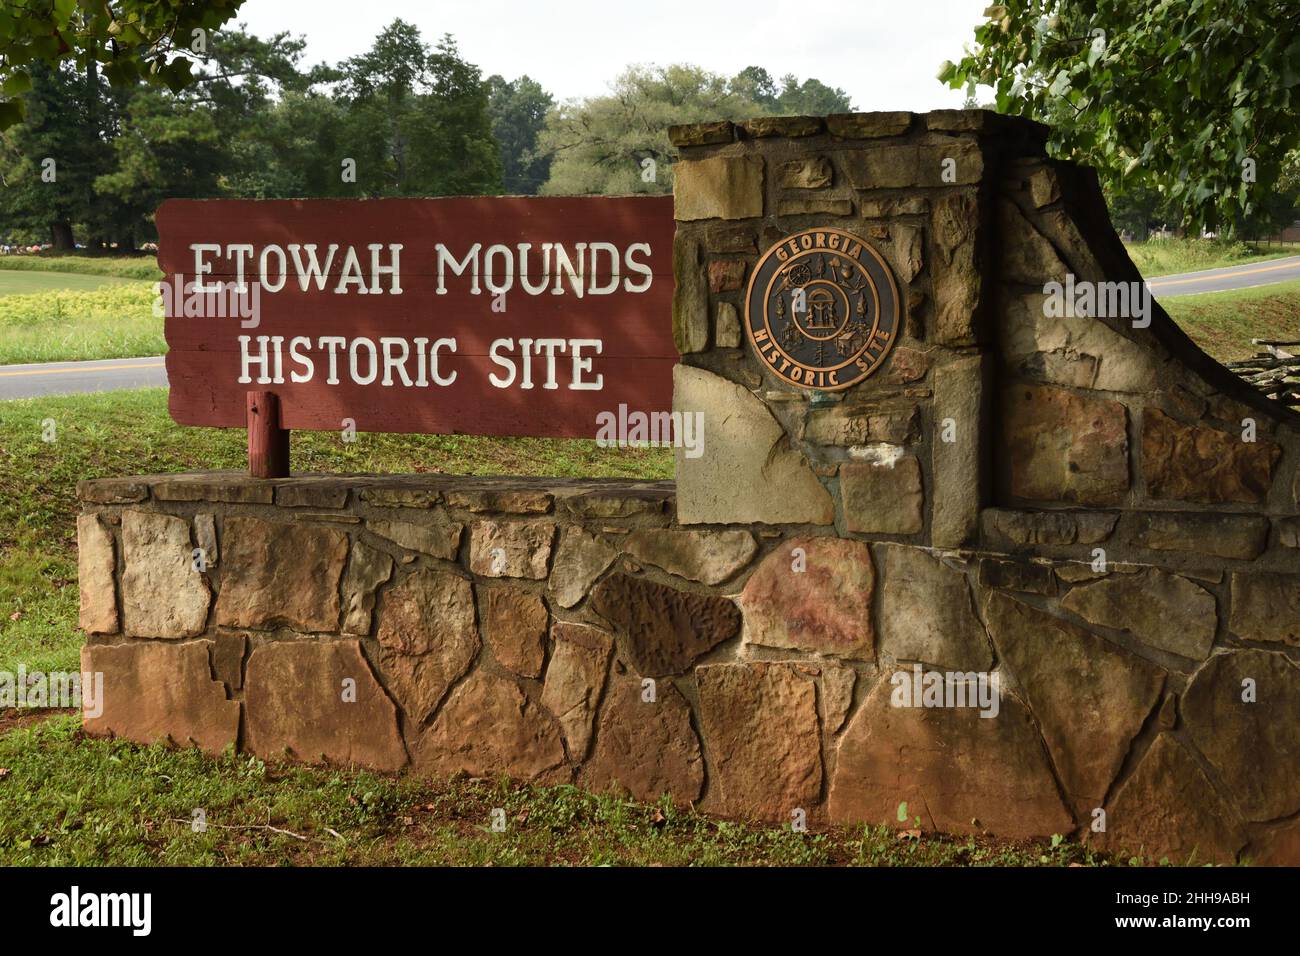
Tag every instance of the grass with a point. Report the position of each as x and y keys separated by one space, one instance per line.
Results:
x=68 y=800
x=1223 y=323
x=123 y=267
x=28 y=283
x=1162 y=257
x=114 y=321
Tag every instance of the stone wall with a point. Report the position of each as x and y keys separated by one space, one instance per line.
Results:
x=1070 y=506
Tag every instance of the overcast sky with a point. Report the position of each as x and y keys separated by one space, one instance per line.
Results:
x=885 y=53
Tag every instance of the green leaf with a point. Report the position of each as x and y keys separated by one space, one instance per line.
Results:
x=19 y=81
x=11 y=113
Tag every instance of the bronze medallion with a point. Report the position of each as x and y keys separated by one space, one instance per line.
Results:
x=821 y=309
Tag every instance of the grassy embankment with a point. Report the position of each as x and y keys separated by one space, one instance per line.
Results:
x=64 y=308
x=1163 y=257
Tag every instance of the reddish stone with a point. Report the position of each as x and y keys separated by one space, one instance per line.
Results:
x=726 y=275
x=1194 y=463
x=813 y=594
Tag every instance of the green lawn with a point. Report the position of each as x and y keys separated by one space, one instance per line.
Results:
x=1163 y=257
x=69 y=800
x=1223 y=323
x=124 y=267
x=26 y=283
x=113 y=319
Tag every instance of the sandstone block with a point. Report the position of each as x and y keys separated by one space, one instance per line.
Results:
x=949 y=765
x=646 y=748
x=162 y=594
x=96 y=564
x=511 y=549
x=1266 y=607
x=723 y=187
x=154 y=691
x=811 y=172
x=884 y=498
x=1194 y=463
x=1090 y=696
x=663 y=630
x=428 y=638
x=575 y=680
x=759 y=722
x=709 y=557
x=927 y=613
x=367 y=570
x=279 y=573
x=1251 y=739
x=749 y=472
x=515 y=624
x=812 y=594
x=488 y=727
x=436 y=536
x=1158 y=608
x=1063 y=446
x=580 y=559
x=320 y=700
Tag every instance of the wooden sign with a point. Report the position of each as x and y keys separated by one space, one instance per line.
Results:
x=485 y=316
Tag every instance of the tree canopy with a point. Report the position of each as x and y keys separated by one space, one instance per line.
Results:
x=95 y=156
x=129 y=41
x=1193 y=102
x=618 y=143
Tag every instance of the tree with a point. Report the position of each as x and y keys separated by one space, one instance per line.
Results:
x=619 y=143
x=416 y=121
x=48 y=165
x=518 y=109
x=812 y=97
x=130 y=40
x=1196 y=100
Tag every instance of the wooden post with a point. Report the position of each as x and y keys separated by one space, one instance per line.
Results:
x=268 y=443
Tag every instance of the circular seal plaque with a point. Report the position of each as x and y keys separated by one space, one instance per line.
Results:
x=821 y=310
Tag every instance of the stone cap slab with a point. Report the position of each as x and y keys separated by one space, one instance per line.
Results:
x=525 y=495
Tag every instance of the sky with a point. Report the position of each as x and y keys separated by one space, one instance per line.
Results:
x=884 y=53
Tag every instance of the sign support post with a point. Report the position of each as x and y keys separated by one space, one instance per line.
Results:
x=268 y=443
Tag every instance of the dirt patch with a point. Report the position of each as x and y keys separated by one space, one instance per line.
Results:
x=13 y=718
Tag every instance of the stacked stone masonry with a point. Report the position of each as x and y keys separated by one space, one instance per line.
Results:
x=1071 y=504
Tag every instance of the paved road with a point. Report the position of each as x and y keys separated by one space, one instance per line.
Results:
x=61 y=378
x=1266 y=272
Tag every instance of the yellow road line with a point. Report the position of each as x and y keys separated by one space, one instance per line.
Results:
x=1223 y=275
x=92 y=368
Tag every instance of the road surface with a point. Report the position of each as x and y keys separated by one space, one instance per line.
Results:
x=1266 y=272
x=62 y=378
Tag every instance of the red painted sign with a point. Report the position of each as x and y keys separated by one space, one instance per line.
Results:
x=486 y=316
